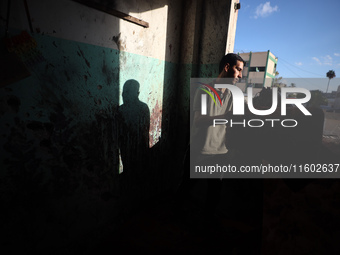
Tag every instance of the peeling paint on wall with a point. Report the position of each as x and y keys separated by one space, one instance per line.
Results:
x=155 y=125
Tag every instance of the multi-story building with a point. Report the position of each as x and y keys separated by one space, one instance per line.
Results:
x=259 y=71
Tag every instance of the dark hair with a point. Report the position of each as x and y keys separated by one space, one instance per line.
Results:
x=230 y=58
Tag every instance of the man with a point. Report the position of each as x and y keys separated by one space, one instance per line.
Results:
x=208 y=143
x=209 y=146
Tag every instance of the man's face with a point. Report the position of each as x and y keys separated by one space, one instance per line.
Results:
x=235 y=71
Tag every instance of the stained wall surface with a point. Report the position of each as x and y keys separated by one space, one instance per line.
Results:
x=61 y=127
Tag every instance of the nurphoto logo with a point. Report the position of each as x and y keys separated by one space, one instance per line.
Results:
x=239 y=99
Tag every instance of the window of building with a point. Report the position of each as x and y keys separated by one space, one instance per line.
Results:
x=255 y=85
x=257 y=69
x=258 y=85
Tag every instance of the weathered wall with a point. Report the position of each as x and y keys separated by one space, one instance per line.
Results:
x=59 y=143
x=232 y=26
x=56 y=127
x=59 y=152
x=203 y=43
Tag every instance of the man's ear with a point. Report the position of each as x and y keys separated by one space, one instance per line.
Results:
x=226 y=67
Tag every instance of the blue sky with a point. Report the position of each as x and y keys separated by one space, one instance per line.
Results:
x=304 y=35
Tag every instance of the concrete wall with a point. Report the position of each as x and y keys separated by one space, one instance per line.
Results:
x=259 y=59
x=270 y=67
x=59 y=144
x=232 y=26
x=268 y=82
x=203 y=43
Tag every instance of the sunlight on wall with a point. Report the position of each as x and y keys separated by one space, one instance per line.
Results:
x=142 y=58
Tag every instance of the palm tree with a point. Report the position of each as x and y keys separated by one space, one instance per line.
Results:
x=330 y=74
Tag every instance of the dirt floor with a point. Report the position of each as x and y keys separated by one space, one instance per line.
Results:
x=299 y=216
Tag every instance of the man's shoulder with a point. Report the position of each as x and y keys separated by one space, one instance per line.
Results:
x=228 y=93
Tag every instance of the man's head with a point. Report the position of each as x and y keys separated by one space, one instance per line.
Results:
x=231 y=66
x=130 y=91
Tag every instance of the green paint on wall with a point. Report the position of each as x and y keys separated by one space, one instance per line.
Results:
x=273 y=59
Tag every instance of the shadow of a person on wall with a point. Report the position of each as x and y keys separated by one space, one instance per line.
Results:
x=134 y=125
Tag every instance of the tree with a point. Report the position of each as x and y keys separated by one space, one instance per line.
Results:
x=330 y=75
x=277 y=81
x=317 y=99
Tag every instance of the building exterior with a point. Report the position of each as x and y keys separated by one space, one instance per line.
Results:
x=337 y=99
x=259 y=71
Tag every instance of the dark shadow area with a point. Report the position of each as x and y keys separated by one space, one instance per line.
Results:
x=168 y=169
x=253 y=216
x=58 y=161
x=133 y=125
x=62 y=128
